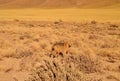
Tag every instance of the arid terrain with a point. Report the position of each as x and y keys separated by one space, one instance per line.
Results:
x=59 y=4
x=71 y=15
x=25 y=48
x=59 y=40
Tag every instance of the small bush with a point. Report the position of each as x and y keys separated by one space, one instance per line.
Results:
x=93 y=22
x=69 y=68
x=114 y=26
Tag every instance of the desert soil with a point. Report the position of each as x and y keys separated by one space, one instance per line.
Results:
x=25 y=48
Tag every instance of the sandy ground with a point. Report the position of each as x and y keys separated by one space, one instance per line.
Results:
x=70 y=14
x=25 y=48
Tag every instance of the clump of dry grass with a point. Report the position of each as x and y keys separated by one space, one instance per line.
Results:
x=31 y=25
x=7 y=53
x=112 y=77
x=68 y=68
x=16 y=20
x=25 y=36
x=23 y=53
x=114 y=26
x=93 y=22
x=87 y=64
x=110 y=54
x=16 y=52
x=93 y=37
x=58 y=22
x=5 y=69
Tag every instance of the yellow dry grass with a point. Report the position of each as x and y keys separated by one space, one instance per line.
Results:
x=83 y=15
x=26 y=40
x=25 y=44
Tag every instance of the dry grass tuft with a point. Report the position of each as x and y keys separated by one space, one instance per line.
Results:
x=94 y=54
x=93 y=22
x=69 y=68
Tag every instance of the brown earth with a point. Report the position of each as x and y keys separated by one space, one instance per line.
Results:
x=57 y=3
x=25 y=48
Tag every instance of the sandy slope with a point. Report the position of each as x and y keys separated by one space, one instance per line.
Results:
x=25 y=48
x=77 y=15
x=57 y=3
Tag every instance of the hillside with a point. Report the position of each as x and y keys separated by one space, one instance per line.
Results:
x=57 y=3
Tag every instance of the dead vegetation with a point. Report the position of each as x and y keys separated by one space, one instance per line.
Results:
x=25 y=50
x=68 y=68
